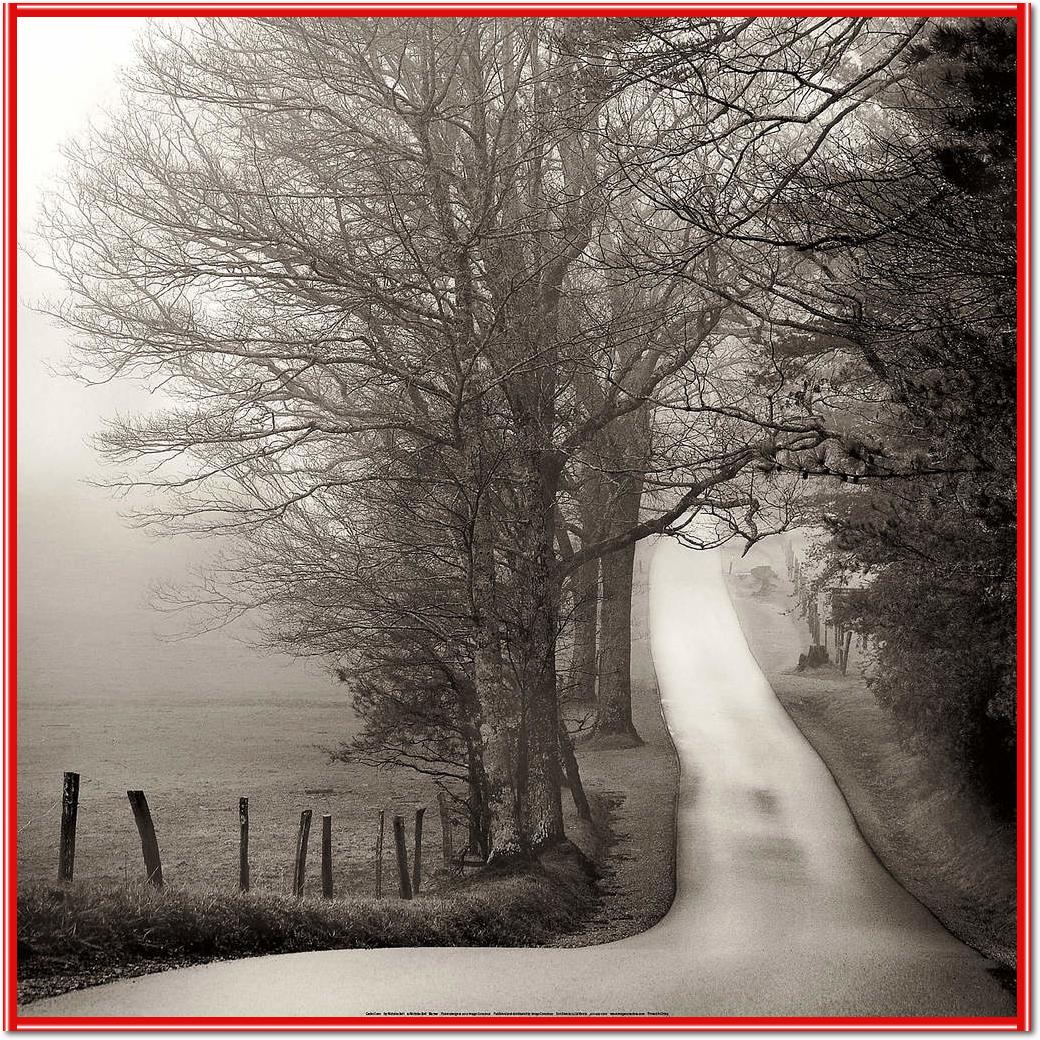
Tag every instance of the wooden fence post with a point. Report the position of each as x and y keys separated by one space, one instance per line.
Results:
x=326 y=856
x=417 y=852
x=379 y=855
x=243 y=844
x=402 y=858
x=69 y=809
x=300 y=868
x=146 y=829
x=446 y=850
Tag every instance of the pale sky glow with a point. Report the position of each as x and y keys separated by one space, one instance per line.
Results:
x=67 y=75
x=85 y=578
x=67 y=72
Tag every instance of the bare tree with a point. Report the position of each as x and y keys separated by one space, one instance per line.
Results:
x=431 y=283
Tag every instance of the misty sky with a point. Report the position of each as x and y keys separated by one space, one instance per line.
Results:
x=67 y=73
x=86 y=628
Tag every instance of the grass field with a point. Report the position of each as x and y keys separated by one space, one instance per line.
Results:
x=194 y=758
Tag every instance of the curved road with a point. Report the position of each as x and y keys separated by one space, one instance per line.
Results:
x=781 y=908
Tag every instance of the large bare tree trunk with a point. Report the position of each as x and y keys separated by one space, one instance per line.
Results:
x=498 y=702
x=584 y=622
x=541 y=802
x=499 y=743
x=625 y=449
x=476 y=802
x=583 y=586
x=499 y=732
x=614 y=727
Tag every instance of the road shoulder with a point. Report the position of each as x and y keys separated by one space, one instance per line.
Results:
x=943 y=846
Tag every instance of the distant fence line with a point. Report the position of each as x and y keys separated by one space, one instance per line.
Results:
x=825 y=635
x=409 y=875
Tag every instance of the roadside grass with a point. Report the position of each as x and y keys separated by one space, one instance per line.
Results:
x=84 y=934
x=940 y=841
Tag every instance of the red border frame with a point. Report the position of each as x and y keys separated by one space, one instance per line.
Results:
x=14 y=11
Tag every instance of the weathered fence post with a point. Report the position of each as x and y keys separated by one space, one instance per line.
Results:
x=243 y=844
x=446 y=850
x=326 y=856
x=379 y=855
x=146 y=829
x=402 y=858
x=417 y=852
x=300 y=868
x=845 y=652
x=69 y=808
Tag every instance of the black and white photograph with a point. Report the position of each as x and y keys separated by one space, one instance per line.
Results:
x=517 y=517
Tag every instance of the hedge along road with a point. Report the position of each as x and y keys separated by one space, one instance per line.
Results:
x=781 y=908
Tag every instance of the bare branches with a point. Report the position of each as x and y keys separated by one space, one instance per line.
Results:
x=444 y=310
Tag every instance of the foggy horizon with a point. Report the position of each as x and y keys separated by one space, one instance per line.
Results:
x=87 y=628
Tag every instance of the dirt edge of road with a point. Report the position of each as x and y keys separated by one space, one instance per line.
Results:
x=941 y=845
x=635 y=795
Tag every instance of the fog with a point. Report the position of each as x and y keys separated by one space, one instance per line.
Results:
x=86 y=627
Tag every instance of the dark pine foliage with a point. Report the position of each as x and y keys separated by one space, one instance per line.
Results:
x=941 y=548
